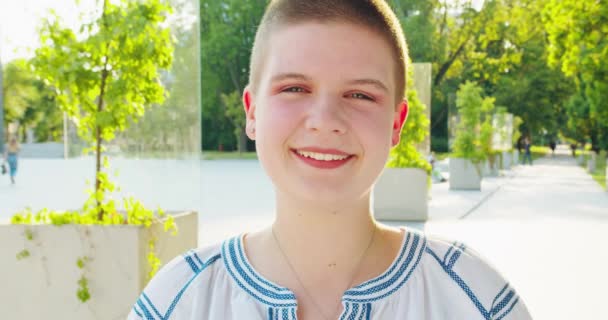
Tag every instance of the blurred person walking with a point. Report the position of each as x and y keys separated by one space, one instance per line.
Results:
x=527 y=153
x=10 y=156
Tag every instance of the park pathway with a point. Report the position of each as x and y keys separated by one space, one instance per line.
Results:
x=546 y=229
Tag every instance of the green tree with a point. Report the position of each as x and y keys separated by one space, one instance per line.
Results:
x=108 y=74
x=228 y=30
x=415 y=130
x=530 y=90
x=18 y=89
x=462 y=42
x=173 y=127
x=578 y=37
x=474 y=132
x=30 y=102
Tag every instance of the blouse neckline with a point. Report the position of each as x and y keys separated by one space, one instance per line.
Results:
x=265 y=291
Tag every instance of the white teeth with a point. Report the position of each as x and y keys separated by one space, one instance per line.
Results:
x=321 y=156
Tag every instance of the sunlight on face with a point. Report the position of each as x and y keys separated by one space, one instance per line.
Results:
x=329 y=89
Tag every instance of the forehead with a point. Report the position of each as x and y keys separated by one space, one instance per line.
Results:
x=332 y=50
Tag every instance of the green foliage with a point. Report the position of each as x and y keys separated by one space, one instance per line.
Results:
x=234 y=111
x=415 y=130
x=30 y=102
x=18 y=89
x=517 y=122
x=227 y=34
x=578 y=38
x=172 y=129
x=417 y=18
x=29 y=235
x=474 y=132
x=153 y=260
x=108 y=74
x=118 y=62
x=83 y=292
x=23 y=254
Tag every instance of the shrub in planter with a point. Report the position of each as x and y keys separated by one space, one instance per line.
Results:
x=105 y=78
x=401 y=192
x=473 y=137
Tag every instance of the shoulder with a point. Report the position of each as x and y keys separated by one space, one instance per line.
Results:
x=475 y=278
x=170 y=286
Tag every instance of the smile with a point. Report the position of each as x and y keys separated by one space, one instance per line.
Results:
x=328 y=159
x=322 y=156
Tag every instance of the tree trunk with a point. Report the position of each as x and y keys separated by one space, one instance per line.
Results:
x=443 y=69
x=242 y=146
x=104 y=76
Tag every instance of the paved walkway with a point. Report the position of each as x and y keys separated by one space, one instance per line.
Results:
x=543 y=226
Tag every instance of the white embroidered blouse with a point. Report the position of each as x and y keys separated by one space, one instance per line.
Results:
x=429 y=279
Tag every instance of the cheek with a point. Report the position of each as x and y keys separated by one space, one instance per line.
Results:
x=276 y=122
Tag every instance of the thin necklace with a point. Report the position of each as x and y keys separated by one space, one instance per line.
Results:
x=293 y=270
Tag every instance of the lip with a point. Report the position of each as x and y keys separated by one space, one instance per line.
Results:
x=321 y=164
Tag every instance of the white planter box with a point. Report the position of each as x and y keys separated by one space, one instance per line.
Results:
x=490 y=169
x=464 y=175
x=44 y=284
x=581 y=160
x=506 y=160
x=515 y=157
x=591 y=164
x=401 y=194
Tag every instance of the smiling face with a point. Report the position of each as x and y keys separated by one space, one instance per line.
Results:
x=324 y=111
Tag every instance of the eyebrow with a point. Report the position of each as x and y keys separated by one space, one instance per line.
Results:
x=373 y=82
x=289 y=75
x=298 y=76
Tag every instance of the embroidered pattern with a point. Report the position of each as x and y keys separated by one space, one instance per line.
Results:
x=246 y=278
x=506 y=296
x=145 y=308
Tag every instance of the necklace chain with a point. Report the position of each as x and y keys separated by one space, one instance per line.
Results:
x=312 y=299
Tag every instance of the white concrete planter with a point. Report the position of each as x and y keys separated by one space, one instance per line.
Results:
x=515 y=157
x=581 y=160
x=464 y=175
x=591 y=164
x=44 y=284
x=490 y=169
x=401 y=194
x=506 y=160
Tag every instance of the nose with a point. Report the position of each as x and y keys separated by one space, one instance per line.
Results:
x=326 y=115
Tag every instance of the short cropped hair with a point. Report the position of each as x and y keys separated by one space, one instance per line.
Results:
x=373 y=14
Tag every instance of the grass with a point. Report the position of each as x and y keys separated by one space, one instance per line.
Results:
x=441 y=155
x=600 y=177
x=538 y=152
x=599 y=174
x=228 y=155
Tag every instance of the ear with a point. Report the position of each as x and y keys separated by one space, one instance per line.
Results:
x=249 y=113
x=399 y=120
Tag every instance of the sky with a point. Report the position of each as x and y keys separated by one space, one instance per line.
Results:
x=19 y=21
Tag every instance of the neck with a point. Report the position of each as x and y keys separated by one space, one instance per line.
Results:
x=336 y=235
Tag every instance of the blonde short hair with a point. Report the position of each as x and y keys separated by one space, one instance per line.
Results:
x=373 y=14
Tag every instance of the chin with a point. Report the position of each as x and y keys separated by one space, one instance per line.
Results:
x=327 y=196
